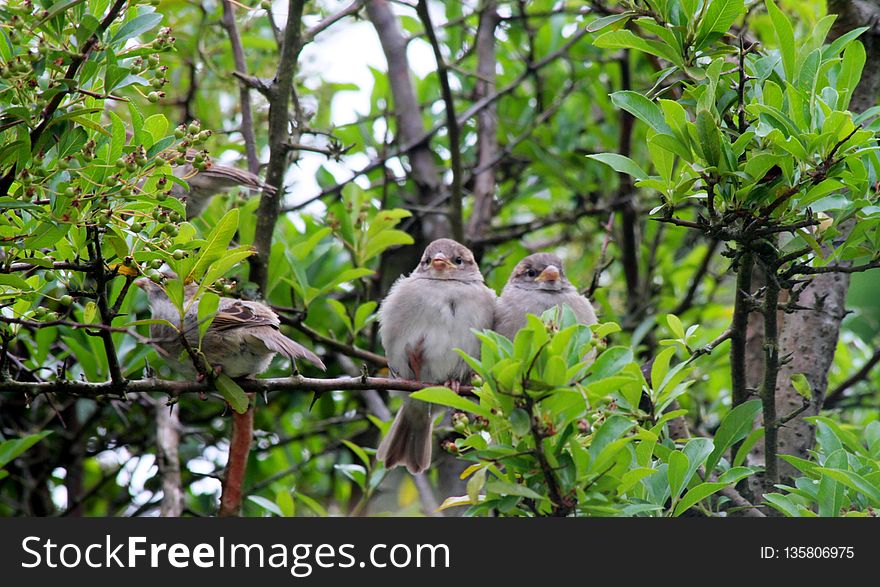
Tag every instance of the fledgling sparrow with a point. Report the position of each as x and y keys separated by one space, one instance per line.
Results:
x=537 y=284
x=425 y=316
x=207 y=183
x=241 y=340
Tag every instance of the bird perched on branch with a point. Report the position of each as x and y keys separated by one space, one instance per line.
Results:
x=537 y=284
x=214 y=178
x=240 y=341
x=425 y=316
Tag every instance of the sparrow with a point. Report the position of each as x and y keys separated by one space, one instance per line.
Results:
x=424 y=317
x=240 y=342
x=215 y=178
x=537 y=284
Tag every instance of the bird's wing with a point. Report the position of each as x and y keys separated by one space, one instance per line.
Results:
x=239 y=313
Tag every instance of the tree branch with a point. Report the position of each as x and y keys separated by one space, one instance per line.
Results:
x=280 y=94
x=455 y=208
x=247 y=120
x=110 y=390
x=487 y=126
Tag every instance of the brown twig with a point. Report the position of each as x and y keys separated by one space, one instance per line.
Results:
x=835 y=395
x=247 y=120
x=296 y=383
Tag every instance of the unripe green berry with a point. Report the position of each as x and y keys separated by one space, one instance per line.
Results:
x=66 y=300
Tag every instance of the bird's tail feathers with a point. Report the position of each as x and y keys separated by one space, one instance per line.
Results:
x=408 y=442
x=292 y=350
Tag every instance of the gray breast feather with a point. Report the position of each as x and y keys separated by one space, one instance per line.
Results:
x=514 y=304
x=436 y=316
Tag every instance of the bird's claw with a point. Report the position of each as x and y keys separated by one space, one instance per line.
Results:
x=454 y=385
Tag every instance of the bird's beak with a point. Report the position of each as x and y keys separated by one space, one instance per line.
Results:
x=440 y=262
x=550 y=273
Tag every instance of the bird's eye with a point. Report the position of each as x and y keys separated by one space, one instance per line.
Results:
x=425 y=261
x=458 y=261
x=532 y=273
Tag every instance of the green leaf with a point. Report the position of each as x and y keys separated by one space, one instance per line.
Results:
x=783 y=504
x=363 y=314
x=660 y=367
x=266 y=504
x=11 y=449
x=735 y=426
x=675 y=325
x=354 y=472
x=613 y=429
x=359 y=452
x=232 y=393
x=606 y=21
x=446 y=397
x=677 y=471
x=710 y=138
x=625 y=39
x=642 y=108
x=385 y=240
x=735 y=475
x=215 y=244
x=136 y=26
x=475 y=485
x=620 y=163
x=208 y=304
x=697 y=494
x=802 y=386
x=504 y=488
x=89 y=312
x=784 y=38
x=285 y=503
x=850 y=73
x=746 y=446
x=520 y=422
x=611 y=362
x=719 y=16
x=14 y=282
x=854 y=481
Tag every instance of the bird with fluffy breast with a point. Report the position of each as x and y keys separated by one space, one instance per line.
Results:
x=537 y=284
x=425 y=316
